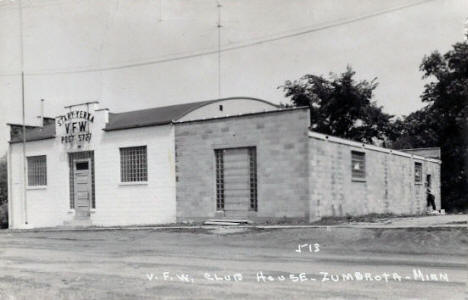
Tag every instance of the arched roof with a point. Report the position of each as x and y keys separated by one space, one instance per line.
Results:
x=161 y=115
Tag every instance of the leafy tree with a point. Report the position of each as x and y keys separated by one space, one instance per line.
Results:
x=417 y=130
x=443 y=121
x=340 y=106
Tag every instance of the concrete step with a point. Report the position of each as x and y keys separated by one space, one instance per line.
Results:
x=226 y=222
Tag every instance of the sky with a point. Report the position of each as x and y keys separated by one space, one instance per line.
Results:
x=137 y=54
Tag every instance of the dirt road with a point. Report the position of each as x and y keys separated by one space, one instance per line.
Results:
x=260 y=264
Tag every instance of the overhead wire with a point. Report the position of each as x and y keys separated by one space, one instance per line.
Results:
x=305 y=31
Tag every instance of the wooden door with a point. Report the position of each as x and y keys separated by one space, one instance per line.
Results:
x=82 y=188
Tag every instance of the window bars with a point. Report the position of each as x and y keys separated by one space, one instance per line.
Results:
x=253 y=178
x=358 y=165
x=37 y=170
x=220 y=187
x=219 y=179
x=133 y=164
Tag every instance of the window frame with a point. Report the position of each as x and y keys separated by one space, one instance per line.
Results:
x=124 y=167
x=253 y=179
x=219 y=179
x=362 y=154
x=417 y=165
x=37 y=182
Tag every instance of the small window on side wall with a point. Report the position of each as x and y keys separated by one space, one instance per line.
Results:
x=358 y=165
x=37 y=170
x=418 y=172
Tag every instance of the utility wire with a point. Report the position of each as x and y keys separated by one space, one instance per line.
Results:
x=234 y=47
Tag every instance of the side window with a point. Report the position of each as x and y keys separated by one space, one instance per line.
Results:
x=37 y=170
x=418 y=172
x=358 y=165
x=133 y=164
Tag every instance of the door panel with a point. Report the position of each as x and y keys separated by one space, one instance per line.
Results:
x=82 y=188
x=236 y=182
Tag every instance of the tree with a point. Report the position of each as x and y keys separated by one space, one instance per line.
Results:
x=417 y=130
x=340 y=106
x=443 y=121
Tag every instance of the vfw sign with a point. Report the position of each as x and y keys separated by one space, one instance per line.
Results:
x=75 y=127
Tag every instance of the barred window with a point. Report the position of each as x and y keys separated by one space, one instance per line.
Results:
x=358 y=165
x=37 y=170
x=133 y=164
x=219 y=179
x=253 y=178
x=417 y=172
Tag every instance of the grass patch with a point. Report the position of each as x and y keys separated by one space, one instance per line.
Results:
x=370 y=218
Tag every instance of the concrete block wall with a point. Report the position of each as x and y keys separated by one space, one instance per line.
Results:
x=282 y=174
x=389 y=186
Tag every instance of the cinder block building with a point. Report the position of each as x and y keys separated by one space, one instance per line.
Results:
x=233 y=158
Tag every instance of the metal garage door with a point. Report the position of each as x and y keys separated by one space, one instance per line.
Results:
x=236 y=181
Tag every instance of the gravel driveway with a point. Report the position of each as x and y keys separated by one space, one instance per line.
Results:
x=333 y=263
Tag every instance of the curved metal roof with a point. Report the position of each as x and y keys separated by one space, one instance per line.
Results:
x=125 y=120
x=160 y=115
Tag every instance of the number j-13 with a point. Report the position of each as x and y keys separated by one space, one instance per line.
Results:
x=313 y=248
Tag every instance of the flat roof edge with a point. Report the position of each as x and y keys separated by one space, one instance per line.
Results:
x=334 y=139
x=424 y=148
x=243 y=115
x=33 y=140
x=26 y=125
x=137 y=126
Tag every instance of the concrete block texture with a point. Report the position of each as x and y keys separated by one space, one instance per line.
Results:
x=299 y=177
x=388 y=187
x=281 y=145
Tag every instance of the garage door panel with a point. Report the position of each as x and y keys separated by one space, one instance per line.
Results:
x=236 y=182
x=236 y=213
x=236 y=207
x=241 y=161
x=232 y=154
x=236 y=193
x=235 y=174
x=236 y=169
x=237 y=204
x=239 y=185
